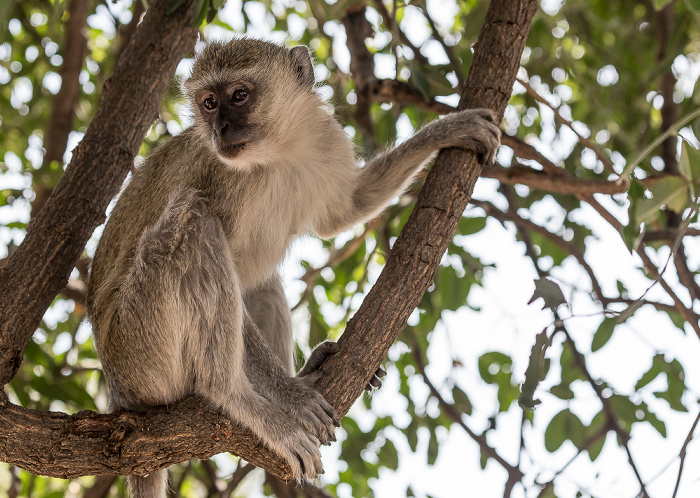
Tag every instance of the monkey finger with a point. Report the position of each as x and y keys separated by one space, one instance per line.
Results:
x=376 y=381
x=333 y=416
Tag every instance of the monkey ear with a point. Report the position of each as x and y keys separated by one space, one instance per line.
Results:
x=304 y=67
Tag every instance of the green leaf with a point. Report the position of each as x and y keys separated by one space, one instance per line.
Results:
x=657 y=367
x=495 y=368
x=625 y=409
x=535 y=371
x=493 y=358
x=603 y=334
x=671 y=191
x=461 y=401
x=550 y=292
x=562 y=391
x=471 y=225
x=563 y=426
x=673 y=394
x=411 y=433
x=595 y=449
x=433 y=448
x=654 y=421
x=388 y=456
x=483 y=460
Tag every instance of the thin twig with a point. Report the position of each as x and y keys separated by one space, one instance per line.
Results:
x=682 y=454
x=455 y=415
x=607 y=163
x=511 y=215
x=688 y=314
x=579 y=359
x=239 y=474
x=390 y=22
x=454 y=62
x=336 y=257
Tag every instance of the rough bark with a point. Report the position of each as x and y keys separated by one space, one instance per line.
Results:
x=87 y=443
x=424 y=239
x=41 y=265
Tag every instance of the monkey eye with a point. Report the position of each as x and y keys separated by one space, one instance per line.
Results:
x=210 y=103
x=240 y=96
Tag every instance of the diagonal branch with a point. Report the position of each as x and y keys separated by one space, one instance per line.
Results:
x=63 y=105
x=417 y=252
x=57 y=235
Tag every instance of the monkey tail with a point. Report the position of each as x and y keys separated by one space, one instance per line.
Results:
x=151 y=486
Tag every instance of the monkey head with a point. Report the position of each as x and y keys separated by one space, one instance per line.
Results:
x=248 y=99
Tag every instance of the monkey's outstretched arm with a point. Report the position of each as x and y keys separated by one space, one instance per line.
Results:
x=388 y=174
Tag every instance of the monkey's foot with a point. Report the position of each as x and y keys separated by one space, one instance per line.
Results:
x=302 y=402
x=300 y=450
x=376 y=381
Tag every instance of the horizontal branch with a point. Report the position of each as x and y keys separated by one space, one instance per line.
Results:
x=561 y=184
x=124 y=443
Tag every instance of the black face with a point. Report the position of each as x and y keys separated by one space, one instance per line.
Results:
x=226 y=108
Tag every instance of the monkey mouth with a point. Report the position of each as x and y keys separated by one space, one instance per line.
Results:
x=232 y=150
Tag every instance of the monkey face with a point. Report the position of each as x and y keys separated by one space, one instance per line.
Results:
x=226 y=108
x=250 y=99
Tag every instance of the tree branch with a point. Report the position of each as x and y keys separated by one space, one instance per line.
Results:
x=682 y=454
x=41 y=265
x=514 y=472
x=63 y=106
x=602 y=156
x=358 y=29
x=561 y=184
x=417 y=251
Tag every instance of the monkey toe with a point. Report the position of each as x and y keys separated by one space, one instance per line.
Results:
x=317 y=357
x=376 y=381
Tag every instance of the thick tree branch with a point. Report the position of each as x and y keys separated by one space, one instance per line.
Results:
x=87 y=443
x=416 y=254
x=358 y=29
x=40 y=266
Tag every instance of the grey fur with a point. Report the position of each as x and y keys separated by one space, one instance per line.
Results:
x=184 y=294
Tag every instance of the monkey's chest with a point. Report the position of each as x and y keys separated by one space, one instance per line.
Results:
x=258 y=248
x=266 y=222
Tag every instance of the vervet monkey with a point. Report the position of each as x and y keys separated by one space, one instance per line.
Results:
x=184 y=293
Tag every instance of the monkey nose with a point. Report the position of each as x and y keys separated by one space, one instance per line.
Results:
x=222 y=128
